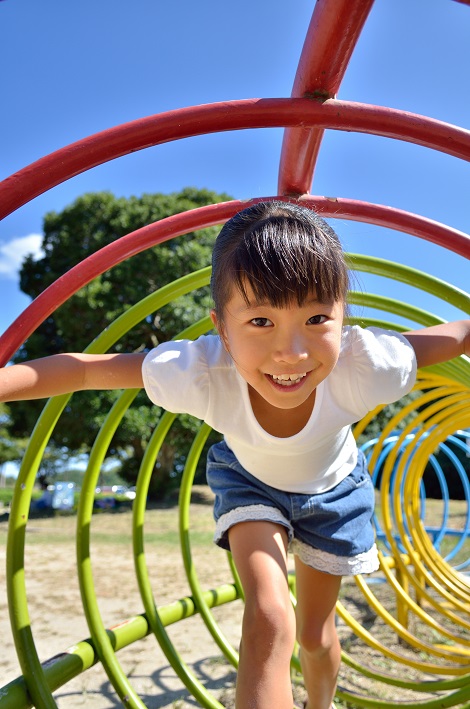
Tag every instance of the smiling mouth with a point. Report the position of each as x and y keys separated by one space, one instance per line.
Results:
x=287 y=380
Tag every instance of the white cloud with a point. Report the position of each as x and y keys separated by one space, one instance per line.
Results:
x=13 y=253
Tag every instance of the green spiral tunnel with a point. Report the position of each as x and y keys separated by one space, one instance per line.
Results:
x=419 y=576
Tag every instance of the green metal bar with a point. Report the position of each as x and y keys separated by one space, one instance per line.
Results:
x=153 y=613
x=150 y=304
x=411 y=276
x=391 y=305
x=16 y=588
x=100 y=637
x=81 y=656
x=184 y=526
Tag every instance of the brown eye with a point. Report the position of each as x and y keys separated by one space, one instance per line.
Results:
x=261 y=322
x=317 y=319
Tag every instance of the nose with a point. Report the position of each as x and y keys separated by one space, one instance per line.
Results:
x=290 y=348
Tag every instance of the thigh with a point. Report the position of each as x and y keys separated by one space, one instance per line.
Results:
x=259 y=550
x=317 y=593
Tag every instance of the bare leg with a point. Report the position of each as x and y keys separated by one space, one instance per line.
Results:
x=320 y=652
x=259 y=551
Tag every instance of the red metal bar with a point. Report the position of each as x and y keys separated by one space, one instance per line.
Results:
x=146 y=237
x=94 y=150
x=392 y=218
x=84 y=272
x=331 y=38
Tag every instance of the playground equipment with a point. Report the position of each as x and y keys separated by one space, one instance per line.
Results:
x=432 y=596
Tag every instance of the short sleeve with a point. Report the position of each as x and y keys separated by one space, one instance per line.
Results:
x=175 y=377
x=384 y=365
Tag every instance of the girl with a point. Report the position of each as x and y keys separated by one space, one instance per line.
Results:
x=283 y=380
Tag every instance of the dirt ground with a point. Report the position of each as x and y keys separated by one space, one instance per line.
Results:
x=58 y=621
x=57 y=617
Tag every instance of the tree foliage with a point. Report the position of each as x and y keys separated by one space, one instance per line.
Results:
x=11 y=448
x=91 y=222
x=386 y=414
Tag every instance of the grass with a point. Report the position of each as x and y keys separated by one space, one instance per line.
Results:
x=161 y=526
x=115 y=527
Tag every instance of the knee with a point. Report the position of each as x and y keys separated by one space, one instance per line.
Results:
x=271 y=622
x=317 y=640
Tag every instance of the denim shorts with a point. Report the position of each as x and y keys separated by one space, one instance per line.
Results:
x=331 y=531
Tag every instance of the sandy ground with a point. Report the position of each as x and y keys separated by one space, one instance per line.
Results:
x=58 y=622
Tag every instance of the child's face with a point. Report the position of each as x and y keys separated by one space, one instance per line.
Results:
x=282 y=353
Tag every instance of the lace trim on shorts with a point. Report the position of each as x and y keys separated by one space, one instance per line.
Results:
x=364 y=563
x=250 y=513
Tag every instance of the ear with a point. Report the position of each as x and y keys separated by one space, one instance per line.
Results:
x=214 y=319
x=219 y=326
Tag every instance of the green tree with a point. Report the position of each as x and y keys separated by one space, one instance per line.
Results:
x=91 y=222
x=11 y=449
x=379 y=422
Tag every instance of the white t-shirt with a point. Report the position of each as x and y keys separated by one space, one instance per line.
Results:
x=199 y=377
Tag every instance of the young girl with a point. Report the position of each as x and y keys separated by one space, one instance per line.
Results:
x=283 y=380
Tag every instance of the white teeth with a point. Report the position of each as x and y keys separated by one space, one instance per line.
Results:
x=288 y=379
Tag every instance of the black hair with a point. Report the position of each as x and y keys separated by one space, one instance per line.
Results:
x=283 y=251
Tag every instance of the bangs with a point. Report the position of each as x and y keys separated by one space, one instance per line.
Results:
x=282 y=264
x=282 y=254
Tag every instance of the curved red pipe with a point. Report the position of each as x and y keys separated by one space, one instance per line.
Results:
x=331 y=38
x=115 y=142
x=146 y=237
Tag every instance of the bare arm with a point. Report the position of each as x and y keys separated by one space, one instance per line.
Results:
x=65 y=373
x=440 y=343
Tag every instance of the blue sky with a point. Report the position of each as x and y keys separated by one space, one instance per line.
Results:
x=72 y=69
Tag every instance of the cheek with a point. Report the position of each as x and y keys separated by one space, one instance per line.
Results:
x=332 y=347
x=243 y=351
x=231 y=343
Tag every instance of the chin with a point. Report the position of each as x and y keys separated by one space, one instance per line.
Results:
x=288 y=402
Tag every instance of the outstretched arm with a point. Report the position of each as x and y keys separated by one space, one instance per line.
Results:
x=440 y=343
x=65 y=373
